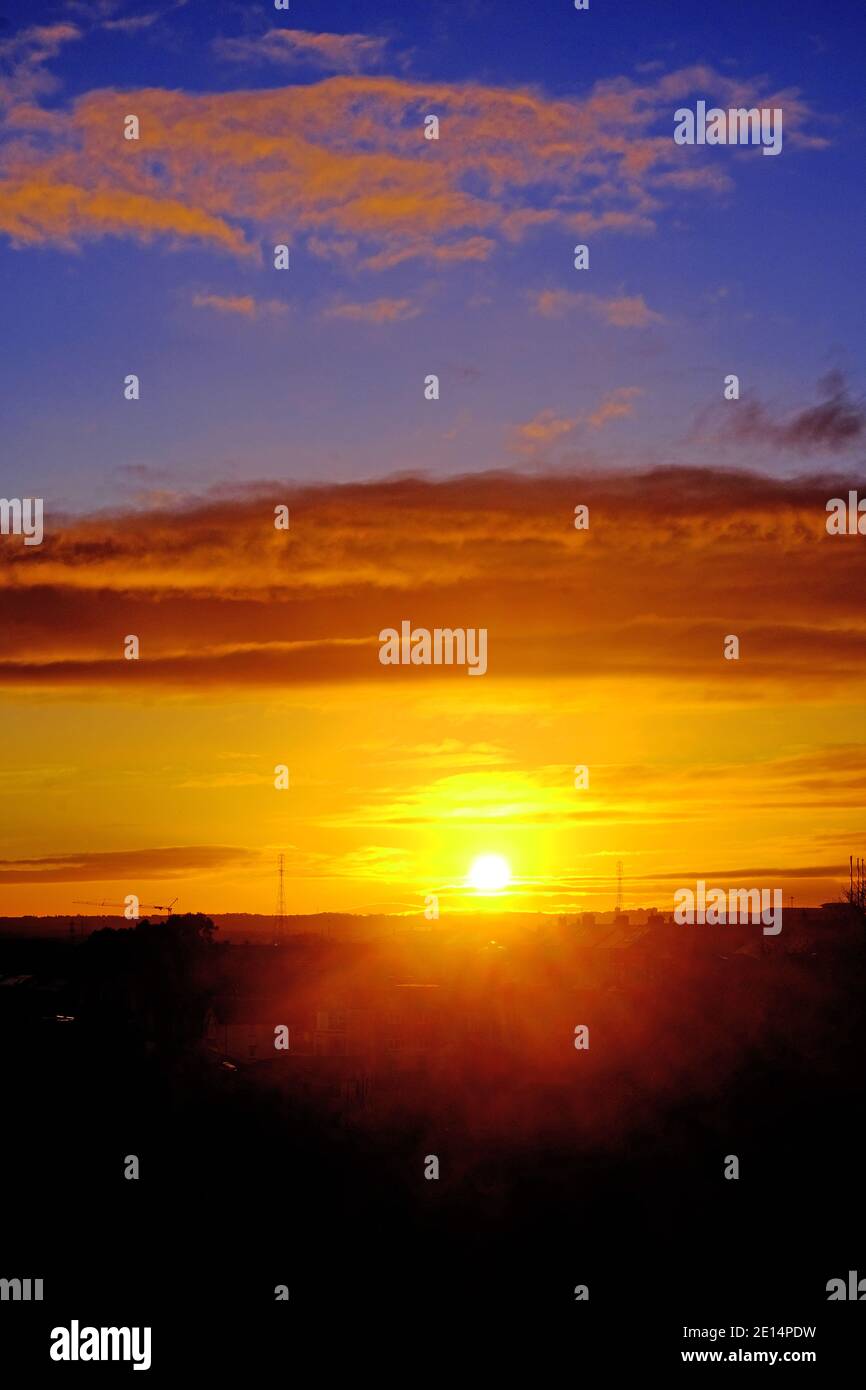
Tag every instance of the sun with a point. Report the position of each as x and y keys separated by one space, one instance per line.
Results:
x=490 y=873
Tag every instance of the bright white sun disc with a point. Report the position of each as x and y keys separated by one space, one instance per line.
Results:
x=489 y=873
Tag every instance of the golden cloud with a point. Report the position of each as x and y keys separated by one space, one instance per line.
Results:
x=673 y=561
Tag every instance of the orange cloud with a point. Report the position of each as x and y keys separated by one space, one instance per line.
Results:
x=375 y=311
x=244 y=304
x=622 y=312
x=347 y=155
x=616 y=405
x=547 y=427
x=544 y=428
x=32 y=213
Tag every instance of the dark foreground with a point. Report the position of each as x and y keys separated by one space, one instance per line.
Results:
x=558 y=1167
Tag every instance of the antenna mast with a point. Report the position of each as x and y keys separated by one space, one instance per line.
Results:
x=280 y=915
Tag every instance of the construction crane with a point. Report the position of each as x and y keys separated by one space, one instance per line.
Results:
x=104 y=902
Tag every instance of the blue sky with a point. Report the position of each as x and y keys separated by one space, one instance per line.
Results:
x=761 y=278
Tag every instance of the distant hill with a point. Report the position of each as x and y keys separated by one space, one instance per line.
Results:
x=236 y=926
x=257 y=927
x=640 y=928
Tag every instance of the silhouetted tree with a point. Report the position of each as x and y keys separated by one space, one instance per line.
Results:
x=153 y=981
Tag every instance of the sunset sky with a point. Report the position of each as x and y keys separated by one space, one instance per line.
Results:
x=305 y=387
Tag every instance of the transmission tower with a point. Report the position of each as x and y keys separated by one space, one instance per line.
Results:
x=618 y=908
x=280 y=914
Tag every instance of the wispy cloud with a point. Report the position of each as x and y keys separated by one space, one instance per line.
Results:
x=534 y=437
x=616 y=405
x=623 y=311
x=103 y=14
x=23 y=58
x=836 y=423
x=129 y=865
x=300 y=47
x=244 y=304
x=376 y=311
x=543 y=429
x=131 y=24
